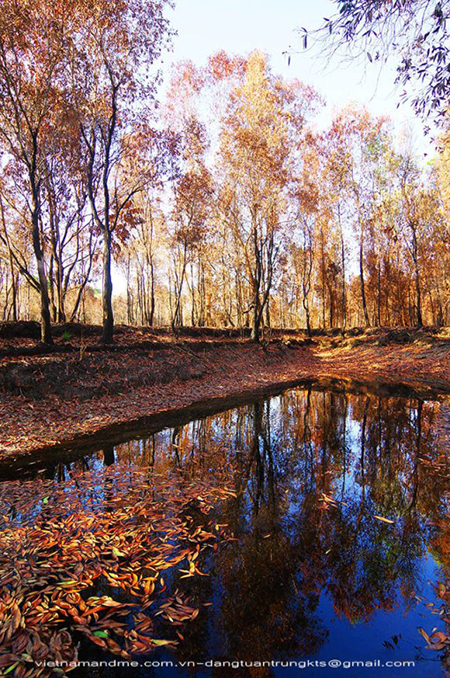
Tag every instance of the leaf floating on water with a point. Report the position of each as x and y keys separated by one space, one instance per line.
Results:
x=439 y=637
x=98 y=641
x=329 y=500
x=436 y=646
x=11 y=668
x=69 y=582
x=424 y=634
x=385 y=520
x=202 y=574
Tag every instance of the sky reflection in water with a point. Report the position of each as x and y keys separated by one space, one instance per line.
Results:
x=315 y=574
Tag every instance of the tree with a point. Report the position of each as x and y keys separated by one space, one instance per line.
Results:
x=355 y=171
x=330 y=178
x=421 y=225
x=417 y=30
x=139 y=257
x=33 y=40
x=67 y=227
x=114 y=50
x=262 y=127
x=306 y=197
x=192 y=193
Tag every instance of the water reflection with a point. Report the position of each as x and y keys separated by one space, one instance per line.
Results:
x=315 y=472
x=340 y=524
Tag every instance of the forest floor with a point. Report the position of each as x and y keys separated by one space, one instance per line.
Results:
x=79 y=388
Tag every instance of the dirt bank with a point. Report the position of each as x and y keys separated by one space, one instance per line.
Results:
x=79 y=388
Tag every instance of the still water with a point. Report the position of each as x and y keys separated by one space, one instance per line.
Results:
x=342 y=532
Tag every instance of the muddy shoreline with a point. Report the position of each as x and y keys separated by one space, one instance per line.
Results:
x=51 y=403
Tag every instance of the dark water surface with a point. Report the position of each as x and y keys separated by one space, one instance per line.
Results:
x=315 y=574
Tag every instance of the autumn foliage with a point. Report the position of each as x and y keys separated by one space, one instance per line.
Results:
x=72 y=546
x=225 y=205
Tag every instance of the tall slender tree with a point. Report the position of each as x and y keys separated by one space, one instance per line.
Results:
x=33 y=43
x=111 y=89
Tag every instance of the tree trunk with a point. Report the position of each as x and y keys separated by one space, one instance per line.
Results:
x=343 y=289
x=152 y=295
x=61 y=312
x=379 y=293
x=256 y=334
x=108 y=317
x=361 y=279
x=14 y=284
x=46 y=329
x=129 y=294
x=417 y=277
x=307 y=314
x=51 y=289
x=256 y=284
x=322 y=273
x=177 y=319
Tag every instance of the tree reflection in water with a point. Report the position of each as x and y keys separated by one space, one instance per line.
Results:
x=313 y=470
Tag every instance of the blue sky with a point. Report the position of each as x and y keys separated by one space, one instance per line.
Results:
x=239 y=26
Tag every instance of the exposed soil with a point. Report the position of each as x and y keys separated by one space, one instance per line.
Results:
x=78 y=388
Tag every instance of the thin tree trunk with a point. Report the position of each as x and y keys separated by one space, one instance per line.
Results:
x=344 y=294
x=151 y=315
x=361 y=279
x=108 y=317
x=256 y=284
x=46 y=331
x=417 y=277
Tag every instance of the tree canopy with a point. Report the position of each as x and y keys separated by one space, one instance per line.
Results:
x=416 y=31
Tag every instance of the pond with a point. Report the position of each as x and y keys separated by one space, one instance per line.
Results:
x=336 y=535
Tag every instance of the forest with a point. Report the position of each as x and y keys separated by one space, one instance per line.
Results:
x=224 y=343
x=216 y=200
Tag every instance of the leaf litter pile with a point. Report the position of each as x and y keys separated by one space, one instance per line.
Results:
x=124 y=533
